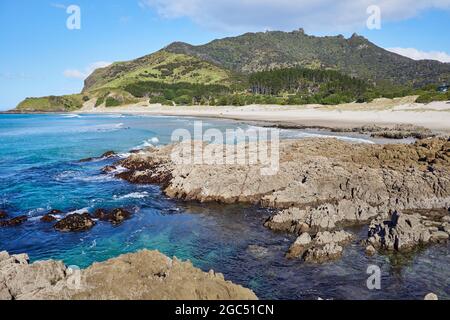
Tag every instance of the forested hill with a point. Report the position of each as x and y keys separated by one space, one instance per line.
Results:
x=355 y=56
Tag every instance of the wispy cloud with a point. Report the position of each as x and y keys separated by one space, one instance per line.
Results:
x=86 y=72
x=421 y=55
x=314 y=15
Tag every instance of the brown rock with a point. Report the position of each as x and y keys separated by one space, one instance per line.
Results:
x=117 y=216
x=75 y=222
x=3 y=214
x=14 y=222
x=48 y=218
x=145 y=275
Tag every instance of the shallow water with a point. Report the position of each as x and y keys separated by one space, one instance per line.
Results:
x=39 y=171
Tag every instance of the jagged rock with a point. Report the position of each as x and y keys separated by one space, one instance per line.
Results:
x=116 y=216
x=3 y=214
x=405 y=231
x=145 y=275
x=324 y=246
x=14 y=222
x=321 y=184
x=48 y=218
x=370 y=250
x=106 y=155
x=328 y=252
x=109 y=169
x=101 y=214
x=299 y=246
x=75 y=222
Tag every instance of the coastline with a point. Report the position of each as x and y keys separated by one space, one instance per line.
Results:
x=382 y=112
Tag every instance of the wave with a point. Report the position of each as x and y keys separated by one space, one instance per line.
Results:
x=70 y=115
x=81 y=176
x=133 y=195
x=296 y=134
x=149 y=143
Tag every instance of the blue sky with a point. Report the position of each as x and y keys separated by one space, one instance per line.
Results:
x=40 y=56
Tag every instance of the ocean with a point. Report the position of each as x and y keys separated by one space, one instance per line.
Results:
x=40 y=171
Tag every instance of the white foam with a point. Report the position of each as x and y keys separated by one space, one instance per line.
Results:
x=133 y=195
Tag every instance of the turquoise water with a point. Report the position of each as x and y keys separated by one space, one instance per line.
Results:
x=39 y=171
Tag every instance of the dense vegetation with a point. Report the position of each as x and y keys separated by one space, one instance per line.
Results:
x=355 y=56
x=177 y=93
x=52 y=103
x=162 y=66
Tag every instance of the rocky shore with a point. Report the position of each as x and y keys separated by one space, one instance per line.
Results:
x=145 y=275
x=322 y=185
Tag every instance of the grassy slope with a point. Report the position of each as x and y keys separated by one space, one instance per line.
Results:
x=51 y=103
x=162 y=67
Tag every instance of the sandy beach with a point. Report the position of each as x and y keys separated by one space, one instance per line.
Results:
x=383 y=112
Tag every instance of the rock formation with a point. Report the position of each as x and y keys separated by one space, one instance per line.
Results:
x=75 y=222
x=408 y=230
x=145 y=275
x=14 y=222
x=321 y=184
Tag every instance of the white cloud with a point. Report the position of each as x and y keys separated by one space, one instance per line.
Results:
x=314 y=15
x=421 y=55
x=77 y=74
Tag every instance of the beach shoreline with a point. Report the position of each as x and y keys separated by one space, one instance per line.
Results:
x=382 y=112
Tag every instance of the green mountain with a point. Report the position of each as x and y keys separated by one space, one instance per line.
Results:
x=355 y=56
x=266 y=67
x=163 y=67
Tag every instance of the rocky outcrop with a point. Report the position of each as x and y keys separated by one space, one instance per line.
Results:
x=106 y=155
x=323 y=247
x=14 y=222
x=75 y=222
x=405 y=231
x=145 y=275
x=3 y=214
x=321 y=184
x=51 y=216
x=399 y=131
x=116 y=216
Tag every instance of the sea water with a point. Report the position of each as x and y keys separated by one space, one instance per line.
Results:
x=40 y=171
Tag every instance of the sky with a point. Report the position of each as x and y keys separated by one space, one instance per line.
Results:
x=48 y=49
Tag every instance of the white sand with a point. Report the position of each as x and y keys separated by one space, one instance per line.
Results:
x=435 y=116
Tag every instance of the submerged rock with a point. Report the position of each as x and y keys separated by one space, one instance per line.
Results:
x=75 y=222
x=106 y=155
x=50 y=216
x=14 y=222
x=257 y=251
x=3 y=214
x=116 y=216
x=145 y=275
